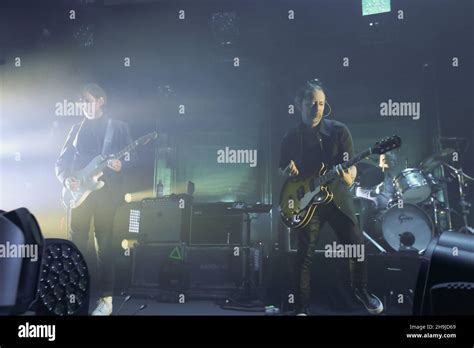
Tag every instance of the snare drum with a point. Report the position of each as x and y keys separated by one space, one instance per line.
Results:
x=412 y=185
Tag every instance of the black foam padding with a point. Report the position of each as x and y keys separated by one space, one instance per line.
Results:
x=10 y=267
x=29 y=276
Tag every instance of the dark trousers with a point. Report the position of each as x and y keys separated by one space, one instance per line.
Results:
x=101 y=206
x=347 y=233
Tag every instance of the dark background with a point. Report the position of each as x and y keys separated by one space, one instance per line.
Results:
x=243 y=107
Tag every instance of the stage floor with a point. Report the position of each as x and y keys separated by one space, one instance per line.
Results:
x=199 y=307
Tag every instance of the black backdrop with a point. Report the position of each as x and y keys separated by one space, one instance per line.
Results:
x=243 y=107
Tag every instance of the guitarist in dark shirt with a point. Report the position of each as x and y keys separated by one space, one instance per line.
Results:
x=86 y=140
x=303 y=149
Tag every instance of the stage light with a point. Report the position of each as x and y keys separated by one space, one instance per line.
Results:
x=56 y=281
x=83 y=35
x=225 y=27
x=64 y=280
x=128 y=244
x=134 y=221
x=371 y=7
x=138 y=196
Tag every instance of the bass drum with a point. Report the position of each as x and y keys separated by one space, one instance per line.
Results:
x=406 y=228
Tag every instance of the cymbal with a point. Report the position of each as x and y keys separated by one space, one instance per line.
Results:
x=369 y=175
x=435 y=160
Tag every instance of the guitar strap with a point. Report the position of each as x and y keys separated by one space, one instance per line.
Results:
x=109 y=133
x=323 y=154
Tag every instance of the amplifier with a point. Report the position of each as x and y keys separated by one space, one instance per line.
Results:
x=165 y=219
x=215 y=267
x=216 y=224
x=159 y=266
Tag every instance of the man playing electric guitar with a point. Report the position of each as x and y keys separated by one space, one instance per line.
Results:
x=315 y=141
x=95 y=135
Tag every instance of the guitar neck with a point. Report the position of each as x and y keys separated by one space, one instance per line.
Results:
x=141 y=141
x=125 y=150
x=332 y=174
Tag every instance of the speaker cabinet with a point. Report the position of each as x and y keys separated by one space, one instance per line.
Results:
x=165 y=220
x=446 y=276
x=215 y=267
x=159 y=266
x=216 y=224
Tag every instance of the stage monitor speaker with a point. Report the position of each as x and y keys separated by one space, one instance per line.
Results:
x=165 y=219
x=449 y=258
x=452 y=299
x=216 y=224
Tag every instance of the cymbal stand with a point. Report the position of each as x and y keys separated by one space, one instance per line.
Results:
x=465 y=205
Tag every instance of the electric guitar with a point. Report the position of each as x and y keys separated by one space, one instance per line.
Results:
x=300 y=197
x=88 y=177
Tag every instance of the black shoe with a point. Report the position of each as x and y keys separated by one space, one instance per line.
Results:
x=302 y=311
x=371 y=302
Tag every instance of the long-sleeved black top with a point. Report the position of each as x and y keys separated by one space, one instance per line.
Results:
x=330 y=142
x=85 y=141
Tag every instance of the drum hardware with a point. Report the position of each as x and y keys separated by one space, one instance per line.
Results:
x=435 y=160
x=435 y=210
x=440 y=212
x=438 y=184
x=377 y=245
x=407 y=227
x=462 y=179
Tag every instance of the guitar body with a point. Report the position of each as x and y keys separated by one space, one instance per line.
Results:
x=89 y=182
x=89 y=175
x=300 y=198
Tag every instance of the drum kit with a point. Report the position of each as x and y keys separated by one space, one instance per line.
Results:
x=407 y=209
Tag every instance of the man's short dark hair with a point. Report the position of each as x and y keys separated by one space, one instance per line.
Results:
x=95 y=90
x=309 y=87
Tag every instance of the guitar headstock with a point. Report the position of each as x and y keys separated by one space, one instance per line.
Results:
x=147 y=138
x=387 y=144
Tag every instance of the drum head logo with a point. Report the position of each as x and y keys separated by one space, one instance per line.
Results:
x=402 y=218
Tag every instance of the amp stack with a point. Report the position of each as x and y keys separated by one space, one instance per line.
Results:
x=176 y=246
